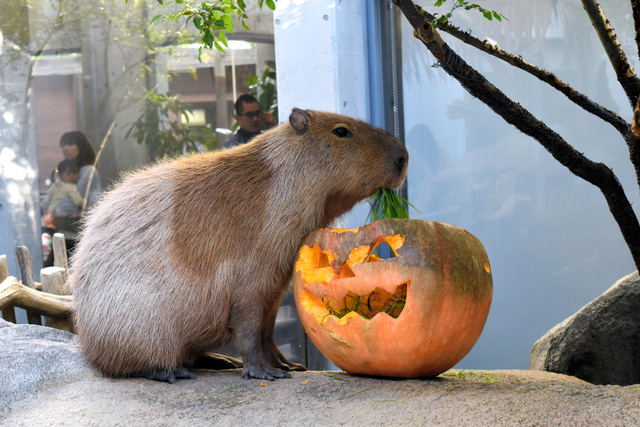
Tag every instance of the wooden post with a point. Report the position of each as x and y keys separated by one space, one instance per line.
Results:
x=59 y=248
x=53 y=281
x=9 y=313
x=26 y=272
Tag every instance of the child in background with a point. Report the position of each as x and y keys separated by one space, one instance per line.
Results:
x=66 y=187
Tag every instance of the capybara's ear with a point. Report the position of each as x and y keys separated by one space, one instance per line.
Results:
x=299 y=120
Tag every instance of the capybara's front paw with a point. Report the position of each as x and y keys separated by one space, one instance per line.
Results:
x=262 y=373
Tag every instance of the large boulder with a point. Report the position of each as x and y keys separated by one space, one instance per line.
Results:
x=45 y=380
x=600 y=343
x=33 y=357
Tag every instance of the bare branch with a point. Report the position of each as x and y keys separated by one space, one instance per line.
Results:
x=633 y=141
x=624 y=72
x=635 y=11
x=573 y=95
x=597 y=174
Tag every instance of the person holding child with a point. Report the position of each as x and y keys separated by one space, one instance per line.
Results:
x=75 y=145
x=63 y=216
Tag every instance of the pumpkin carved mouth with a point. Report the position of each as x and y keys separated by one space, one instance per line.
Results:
x=378 y=301
x=333 y=290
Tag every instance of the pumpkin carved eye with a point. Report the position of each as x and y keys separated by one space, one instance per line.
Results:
x=314 y=266
x=342 y=132
x=415 y=314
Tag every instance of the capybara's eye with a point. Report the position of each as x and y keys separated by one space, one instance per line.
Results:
x=342 y=132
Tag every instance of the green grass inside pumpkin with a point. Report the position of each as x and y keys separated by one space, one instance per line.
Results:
x=379 y=301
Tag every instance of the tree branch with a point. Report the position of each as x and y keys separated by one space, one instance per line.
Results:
x=633 y=141
x=624 y=72
x=635 y=12
x=597 y=174
x=573 y=95
x=13 y=293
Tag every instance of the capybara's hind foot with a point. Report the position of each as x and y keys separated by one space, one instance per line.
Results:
x=287 y=365
x=256 y=371
x=168 y=375
x=216 y=362
x=278 y=360
x=296 y=366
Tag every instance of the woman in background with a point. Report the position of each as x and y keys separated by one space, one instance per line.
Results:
x=75 y=145
x=64 y=219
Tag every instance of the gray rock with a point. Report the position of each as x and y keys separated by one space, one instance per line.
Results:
x=45 y=380
x=33 y=357
x=600 y=343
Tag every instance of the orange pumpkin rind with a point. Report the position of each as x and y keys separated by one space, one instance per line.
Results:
x=447 y=282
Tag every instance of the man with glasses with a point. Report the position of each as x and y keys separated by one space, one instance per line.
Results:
x=251 y=119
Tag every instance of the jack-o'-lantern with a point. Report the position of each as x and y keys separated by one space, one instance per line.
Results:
x=415 y=314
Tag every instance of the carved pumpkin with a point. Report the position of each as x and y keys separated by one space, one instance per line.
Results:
x=415 y=314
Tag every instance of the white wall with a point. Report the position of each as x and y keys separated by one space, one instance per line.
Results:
x=320 y=57
x=321 y=63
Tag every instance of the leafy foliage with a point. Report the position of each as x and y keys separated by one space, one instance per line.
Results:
x=168 y=137
x=212 y=19
x=266 y=83
x=457 y=4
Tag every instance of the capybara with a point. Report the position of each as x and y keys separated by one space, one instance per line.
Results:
x=185 y=255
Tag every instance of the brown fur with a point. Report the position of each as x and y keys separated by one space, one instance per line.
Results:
x=185 y=255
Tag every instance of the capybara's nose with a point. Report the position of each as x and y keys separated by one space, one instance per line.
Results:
x=401 y=159
x=401 y=162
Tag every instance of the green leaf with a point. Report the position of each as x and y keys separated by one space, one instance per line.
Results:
x=223 y=38
x=246 y=27
x=227 y=19
x=155 y=18
x=218 y=45
x=271 y=4
x=207 y=38
x=252 y=80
